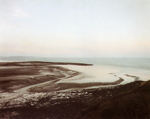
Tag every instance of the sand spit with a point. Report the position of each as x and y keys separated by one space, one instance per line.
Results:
x=63 y=86
x=136 y=78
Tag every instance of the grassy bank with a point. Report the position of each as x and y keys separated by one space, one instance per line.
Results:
x=132 y=104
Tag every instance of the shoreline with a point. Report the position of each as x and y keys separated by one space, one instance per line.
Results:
x=26 y=75
x=57 y=76
x=36 y=76
x=52 y=91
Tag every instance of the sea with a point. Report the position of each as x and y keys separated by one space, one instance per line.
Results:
x=142 y=63
x=103 y=69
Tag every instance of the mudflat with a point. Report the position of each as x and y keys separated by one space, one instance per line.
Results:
x=41 y=77
x=16 y=75
x=35 y=90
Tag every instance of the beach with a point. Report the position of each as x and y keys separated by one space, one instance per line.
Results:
x=47 y=76
x=56 y=83
x=27 y=77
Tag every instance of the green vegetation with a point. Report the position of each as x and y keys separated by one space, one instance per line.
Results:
x=133 y=104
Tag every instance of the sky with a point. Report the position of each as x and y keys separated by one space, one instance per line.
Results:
x=75 y=28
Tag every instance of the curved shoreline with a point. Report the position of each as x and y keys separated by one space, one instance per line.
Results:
x=53 y=73
x=49 y=78
x=64 y=86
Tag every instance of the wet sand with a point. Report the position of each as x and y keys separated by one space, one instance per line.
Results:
x=24 y=77
x=19 y=78
x=35 y=86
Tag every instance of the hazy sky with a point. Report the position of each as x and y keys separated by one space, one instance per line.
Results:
x=75 y=28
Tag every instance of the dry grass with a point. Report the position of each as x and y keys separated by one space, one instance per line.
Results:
x=134 y=104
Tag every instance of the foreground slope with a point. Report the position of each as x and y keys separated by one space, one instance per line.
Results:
x=132 y=104
x=100 y=103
